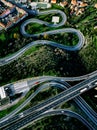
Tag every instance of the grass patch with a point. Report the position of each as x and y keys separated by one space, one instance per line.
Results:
x=35 y=28
x=10 y=109
x=32 y=49
x=2 y=37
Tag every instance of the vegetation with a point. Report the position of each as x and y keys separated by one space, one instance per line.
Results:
x=59 y=122
x=10 y=109
x=35 y=28
x=32 y=49
x=91 y=95
x=2 y=37
x=67 y=39
x=46 y=60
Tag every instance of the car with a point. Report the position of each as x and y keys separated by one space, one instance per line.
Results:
x=62 y=111
x=95 y=83
x=21 y=115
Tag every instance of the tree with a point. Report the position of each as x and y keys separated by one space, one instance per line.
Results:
x=16 y=35
x=45 y=36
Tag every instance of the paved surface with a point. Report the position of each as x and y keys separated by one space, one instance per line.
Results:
x=67 y=113
x=78 y=46
x=64 y=96
x=50 y=113
x=63 y=85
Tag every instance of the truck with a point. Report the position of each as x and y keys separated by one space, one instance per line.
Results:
x=82 y=90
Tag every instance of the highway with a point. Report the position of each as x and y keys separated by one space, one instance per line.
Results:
x=63 y=97
x=81 y=103
x=67 y=113
x=78 y=100
x=31 y=83
x=49 y=113
x=56 y=100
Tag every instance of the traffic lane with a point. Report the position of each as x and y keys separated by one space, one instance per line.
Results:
x=79 y=86
x=34 y=116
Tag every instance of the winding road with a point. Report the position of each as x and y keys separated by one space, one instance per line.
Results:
x=77 y=47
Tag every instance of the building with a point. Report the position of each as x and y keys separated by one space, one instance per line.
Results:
x=43 y=5
x=2 y=93
x=82 y=4
x=53 y=1
x=46 y=1
x=74 y=2
x=10 y=14
x=77 y=7
x=55 y=19
x=40 y=5
x=33 y=5
x=95 y=28
x=95 y=5
x=79 y=3
x=21 y=1
x=63 y=3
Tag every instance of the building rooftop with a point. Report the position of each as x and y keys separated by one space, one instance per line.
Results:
x=74 y=2
x=2 y=93
x=63 y=3
x=95 y=5
x=53 y=1
x=10 y=14
x=83 y=5
x=55 y=19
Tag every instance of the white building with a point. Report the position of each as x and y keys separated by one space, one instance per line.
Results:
x=33 y=5
x=21 y=1
x=40 y=5
x=2 y=93
x=55 y=19
x=46 y=1
x=43 y=5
